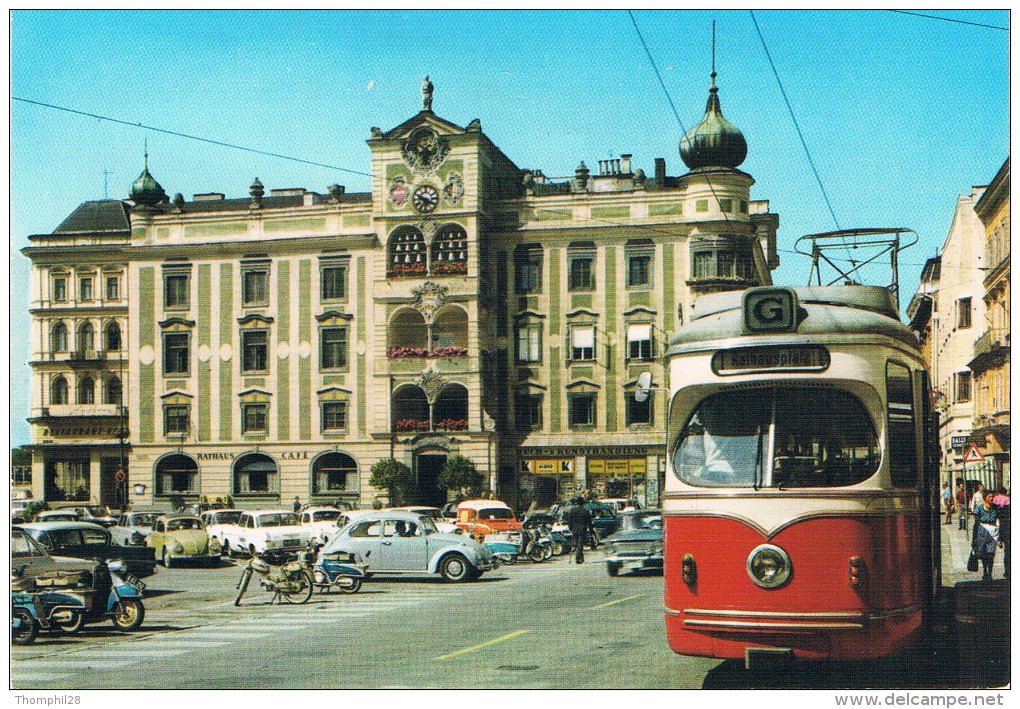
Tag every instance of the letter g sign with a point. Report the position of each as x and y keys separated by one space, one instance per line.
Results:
x=770 y=310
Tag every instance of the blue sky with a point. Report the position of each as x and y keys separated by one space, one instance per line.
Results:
x=901 y=113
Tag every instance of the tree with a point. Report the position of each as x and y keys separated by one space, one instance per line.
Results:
x=460 y=476
x=396 y=478
x=21 y=456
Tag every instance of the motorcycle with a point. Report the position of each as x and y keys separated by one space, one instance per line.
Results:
x=338 y=570
x=288 y=578
x=510 y=546
x=33 y=610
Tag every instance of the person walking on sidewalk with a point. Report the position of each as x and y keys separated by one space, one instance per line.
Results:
x=986 y=534
x=578 y=520
x=1001 y=501
x=961 y=502
x=947 y=501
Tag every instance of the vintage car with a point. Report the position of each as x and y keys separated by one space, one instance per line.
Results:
x=637 y=544
x=84 y=540
x=401 y=542
x=178 y=538
x=480 y=517
x=258 y=532
x=323 y=522
x=443 y=523
x=30 y=559
x=603 y=518
x=62 y=515
x=97 y=514
x=133 y=527
x=215 y=521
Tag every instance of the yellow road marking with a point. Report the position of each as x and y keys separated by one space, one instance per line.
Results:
x=618 y=600
x=483 y=645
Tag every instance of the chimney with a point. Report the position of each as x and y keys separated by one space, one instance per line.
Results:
x=625 y=164
x=660 y=170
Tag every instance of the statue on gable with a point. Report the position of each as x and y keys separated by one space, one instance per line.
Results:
x=426 y=93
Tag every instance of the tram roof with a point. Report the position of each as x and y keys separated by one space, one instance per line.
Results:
x=832 y=310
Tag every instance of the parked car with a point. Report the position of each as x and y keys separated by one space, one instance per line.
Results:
x=637 y=544
x=217 y=520
x=85 y=540
x=603 y=518
x=64 y=515
x=619 y=504
x=196 y=509
x=323 y=522
x=133 y=527
x=443 y=523
x=480 y=517
x=402 y=542
x=97 y=514
x=176 y=538
x=32 y=559
x=265 y=530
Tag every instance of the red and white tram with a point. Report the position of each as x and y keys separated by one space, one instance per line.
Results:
x=801 y=496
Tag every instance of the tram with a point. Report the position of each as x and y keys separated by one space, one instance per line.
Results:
x=800 y=506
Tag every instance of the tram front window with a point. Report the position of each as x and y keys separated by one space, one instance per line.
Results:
x=778 y=437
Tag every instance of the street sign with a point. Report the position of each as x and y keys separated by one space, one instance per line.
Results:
x=958 y=441
x=973 y=455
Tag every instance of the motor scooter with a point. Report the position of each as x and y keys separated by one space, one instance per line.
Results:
x=338 y=570
x=111 y=593
x=510 y=546
x=33 y=610
x=288 y=579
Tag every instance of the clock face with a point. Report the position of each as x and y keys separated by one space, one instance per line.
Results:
x=425 y=198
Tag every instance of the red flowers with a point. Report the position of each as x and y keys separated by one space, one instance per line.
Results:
x=403 y=352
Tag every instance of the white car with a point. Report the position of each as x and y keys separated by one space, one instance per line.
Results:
x=443 y=524
x=323 y=522
x=216 y=521
x=257 y=532
x=133 y=527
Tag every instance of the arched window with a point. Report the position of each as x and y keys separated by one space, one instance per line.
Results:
x=449 y=250
x=450 y=412
x=406 y=253
x=58 y=391
x=256 y=474
x=86 y=341
x=113 y=391
x=58 y=338
x=449 y=329
x=86 y=390
x=113 y=337
x=408 y=336
x=334 y=474
x=176 y=475
x=410 y=409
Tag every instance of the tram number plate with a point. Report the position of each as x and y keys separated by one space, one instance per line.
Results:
x=806 y=358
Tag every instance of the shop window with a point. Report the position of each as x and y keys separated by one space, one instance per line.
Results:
x=255 y=418
x=529 y=343
x=176 y=475
x=582 y=342
x=176 y=418
x=528 y=268
x=334 y=416
x=581 y=409
x=639 y=342
x=333 y=348
x=256 y=473
x=255 y=350
x=67 y=480
x=528 y=411
x=334 y=473
x=176 y=291
x=176 y=353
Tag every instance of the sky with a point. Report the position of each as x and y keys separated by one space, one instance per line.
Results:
x=900 y=112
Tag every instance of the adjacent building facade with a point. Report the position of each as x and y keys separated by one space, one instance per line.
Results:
x=280 y=344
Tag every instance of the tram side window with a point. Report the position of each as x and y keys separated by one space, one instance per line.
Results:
x=902 y=434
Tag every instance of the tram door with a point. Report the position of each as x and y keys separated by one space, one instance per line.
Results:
x=931 y=487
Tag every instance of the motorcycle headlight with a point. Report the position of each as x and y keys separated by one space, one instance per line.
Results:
x=769 y=566
x=178 y=548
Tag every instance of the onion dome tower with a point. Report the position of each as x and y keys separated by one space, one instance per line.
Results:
x=715 y=142
x=146 y=192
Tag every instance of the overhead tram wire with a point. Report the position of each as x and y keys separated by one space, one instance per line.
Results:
x=190 y=137
x=950 y=19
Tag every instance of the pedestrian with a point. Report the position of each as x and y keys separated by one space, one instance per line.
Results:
x=986 y=534
x=961 y=502
x=297 y=504
x=978 y=500
x=947 y=501
x=1001 y=501
x=578 y=519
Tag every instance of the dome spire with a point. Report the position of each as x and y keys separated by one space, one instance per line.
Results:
x=715 y=142
x=146 y=192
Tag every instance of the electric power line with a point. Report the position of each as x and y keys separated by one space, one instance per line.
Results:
x=189 y=137
x=950 y=19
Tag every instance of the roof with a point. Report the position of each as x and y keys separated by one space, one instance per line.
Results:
x=481 y=504
x=51 y=526
x=90 y=217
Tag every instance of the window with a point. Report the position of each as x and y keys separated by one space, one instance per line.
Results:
x=701 y=205
x=334 y=282
x=176 y=353
x=254 y=418
x=582 y=409
x=67 y=479
x=334 y=416
x=723 y=264
x=528 y=411
x=582 y=342
x=962 y=386
x=334 y=473
x=176 y=287
x=85 y=289
x=176 y=474
x=528 y=268
x=257 y=473
x=255 y=287
x=581 y=276
x=113 y=391
x=113 y=337
x=817 y=437
x=255 y=350
x=902 y=440
x=963 y=313
x=333 y=348
x=639 y=342
x=407 y=253
x=639 y=270
x=58 y=338
x=449 y=251
x=529 y=343
x=638 y=412
x=86 y=338
x=58 y=391
x=60 y=289
x=112 y=288
x=86 y=390
x=726 y=205
x=176 y=418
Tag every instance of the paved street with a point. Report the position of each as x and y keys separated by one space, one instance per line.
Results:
x=550 y=625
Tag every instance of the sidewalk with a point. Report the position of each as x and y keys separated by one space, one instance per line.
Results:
x=956 y=551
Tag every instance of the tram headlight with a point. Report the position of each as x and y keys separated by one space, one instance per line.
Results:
x=769 y=566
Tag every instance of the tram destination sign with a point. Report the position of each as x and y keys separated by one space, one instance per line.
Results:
x=794 y=358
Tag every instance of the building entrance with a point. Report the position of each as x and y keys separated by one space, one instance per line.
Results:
x=429 y=491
